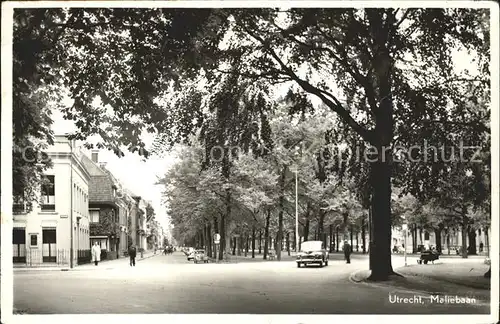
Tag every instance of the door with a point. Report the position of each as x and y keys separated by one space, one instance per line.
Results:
x=49 y=245
x=19 y=245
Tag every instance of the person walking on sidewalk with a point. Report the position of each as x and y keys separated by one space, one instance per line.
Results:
x=96 y=253
x=347 y=251
x=132 y=253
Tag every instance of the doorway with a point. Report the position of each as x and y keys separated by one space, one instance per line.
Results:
x=49 y=251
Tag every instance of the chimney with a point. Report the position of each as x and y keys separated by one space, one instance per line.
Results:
x=95 y=156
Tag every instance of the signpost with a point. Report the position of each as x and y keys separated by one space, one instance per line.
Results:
x=216 y=238
x=405 y=228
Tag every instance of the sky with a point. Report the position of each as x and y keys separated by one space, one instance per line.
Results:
x=135 y=174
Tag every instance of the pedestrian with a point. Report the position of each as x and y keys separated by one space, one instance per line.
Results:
x=96 y=253
x=132 y=253
x=347 y=251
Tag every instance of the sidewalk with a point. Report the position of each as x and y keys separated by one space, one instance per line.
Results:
x=105 y=264
x=445 y=278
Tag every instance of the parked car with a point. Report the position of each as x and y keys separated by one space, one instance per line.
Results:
x=190 y=255
x=200 y=256
x=312 y=252
x=188 y=251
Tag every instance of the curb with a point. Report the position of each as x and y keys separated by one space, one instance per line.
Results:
x=42 y=269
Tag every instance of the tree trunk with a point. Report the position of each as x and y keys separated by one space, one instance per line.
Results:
x=288 y=243
x=363 y=234
x=216 y=229
x=295 y=240
x=472 y=241
x=487 y=239
x=222 y=244
x=266 y=234
x=448 y=241
x=351 y=236
x=437 y=233
x=465 y=225
x=321 y=226
x=414 y=238
x=381 y=249
x=331 y=237
x=279 y=237
x=357 y=242
x=307 y=225
x=260 y=241
x=253 y=242
x=246 y=245
x=209 y=230
x=234 y=245
x=337 y=239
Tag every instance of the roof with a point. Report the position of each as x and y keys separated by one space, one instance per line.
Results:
x=101 y=182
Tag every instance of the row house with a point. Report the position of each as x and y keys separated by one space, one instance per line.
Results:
x=453 y=241
x=109 y=209
x=137 y=222
x=57 y=226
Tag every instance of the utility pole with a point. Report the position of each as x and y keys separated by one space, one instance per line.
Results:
x=296 y=211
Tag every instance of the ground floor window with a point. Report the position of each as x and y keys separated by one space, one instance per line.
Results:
x=19 y=245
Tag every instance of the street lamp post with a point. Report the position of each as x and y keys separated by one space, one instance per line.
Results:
x=405 y=228
x=297 y=238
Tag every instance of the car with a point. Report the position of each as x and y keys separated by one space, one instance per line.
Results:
x=312 y=252
x=200 y=256
x=188 y=252
x=190 y=255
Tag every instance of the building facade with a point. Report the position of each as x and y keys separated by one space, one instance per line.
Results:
x=58 y=225
x=107 y=208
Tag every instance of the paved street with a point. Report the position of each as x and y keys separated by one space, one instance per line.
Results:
x=170 y=284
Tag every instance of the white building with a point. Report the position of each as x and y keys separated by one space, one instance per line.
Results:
x=44 y=235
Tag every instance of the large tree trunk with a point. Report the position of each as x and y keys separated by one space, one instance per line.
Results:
x=222 y=244
x=307 y=225
x=414 y=238
x=380 y=171
x=472 y=241
x=332 y=247
x=260 y=241
x=279 y=237
x=266 y=234
x=253 y=242
x=288 y=243
x=337 y=239
x=437 y=233
x=209 y=231
x=465 y=225
x=351 y=236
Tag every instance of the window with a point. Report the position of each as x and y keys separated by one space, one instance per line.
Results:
x=48 y=193
x=426 y=236
x=33 y=240
x=94 y=216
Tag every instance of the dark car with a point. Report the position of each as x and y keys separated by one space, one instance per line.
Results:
x=312 y=252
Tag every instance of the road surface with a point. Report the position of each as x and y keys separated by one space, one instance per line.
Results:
x=171 y=284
